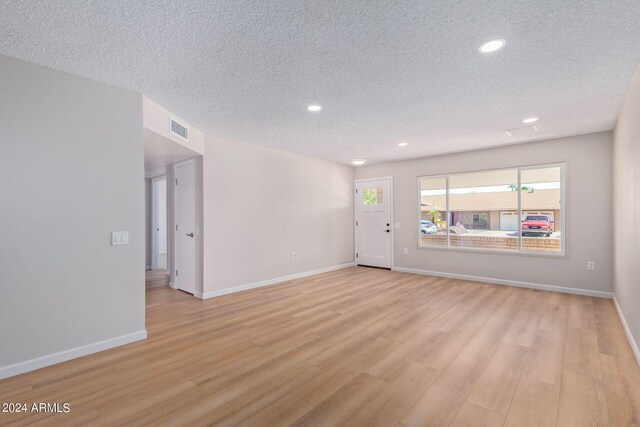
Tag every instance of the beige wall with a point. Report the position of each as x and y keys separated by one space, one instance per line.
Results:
x=261 y=204
x=626 y=191
x=589 y=182
x=71 y=159
x=494 y=220
x=499 y=201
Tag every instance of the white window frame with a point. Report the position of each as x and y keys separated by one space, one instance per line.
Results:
x=563 y=213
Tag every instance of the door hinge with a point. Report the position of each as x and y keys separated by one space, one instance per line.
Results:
x=356 y=222
x=176 y=273
x=356 y=254
x=176 y=227
x=176 y=180
x=356 y=191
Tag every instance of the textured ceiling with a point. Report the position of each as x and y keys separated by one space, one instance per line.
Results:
x=384 y=71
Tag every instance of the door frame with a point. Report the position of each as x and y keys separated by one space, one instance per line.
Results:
x=175 y=224
x=154 y=222
x=393 y=224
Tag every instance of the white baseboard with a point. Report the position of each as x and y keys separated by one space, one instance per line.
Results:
x=172 y=285
x=515 y=283
x=73 y=353
x=218 y=293
x=625 y=325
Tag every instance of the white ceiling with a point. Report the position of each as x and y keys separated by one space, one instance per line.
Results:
x=160 y=153
x=384 y=71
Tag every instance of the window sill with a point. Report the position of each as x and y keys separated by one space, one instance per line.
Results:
x=553 y=255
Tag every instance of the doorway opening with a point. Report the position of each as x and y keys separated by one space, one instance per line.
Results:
x=173 y=182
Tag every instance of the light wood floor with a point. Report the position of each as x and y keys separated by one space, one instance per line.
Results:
x=358 y=347
x=156 y=279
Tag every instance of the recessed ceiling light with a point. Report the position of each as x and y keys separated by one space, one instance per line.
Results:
x=314 y=108
x=530 y=120
x=403 y=144
x=492 y=46
x=358 y=162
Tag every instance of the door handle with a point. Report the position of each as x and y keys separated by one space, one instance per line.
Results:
x=190 y=234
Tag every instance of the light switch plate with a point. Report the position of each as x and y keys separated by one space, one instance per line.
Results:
x=119 y=238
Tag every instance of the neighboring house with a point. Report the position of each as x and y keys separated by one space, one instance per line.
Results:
x=495 y=210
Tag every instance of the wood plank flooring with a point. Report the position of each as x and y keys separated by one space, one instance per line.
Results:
x=156 y=279
x=355 y=347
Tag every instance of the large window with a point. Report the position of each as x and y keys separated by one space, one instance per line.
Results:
x=512 y=210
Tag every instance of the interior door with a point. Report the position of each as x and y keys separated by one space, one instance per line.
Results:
x=373 y=204
x=185 y=198
x=159 y=241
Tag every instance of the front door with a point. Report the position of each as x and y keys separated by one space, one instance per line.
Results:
x=373 y=222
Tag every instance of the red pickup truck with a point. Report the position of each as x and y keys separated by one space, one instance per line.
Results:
x=537 y=224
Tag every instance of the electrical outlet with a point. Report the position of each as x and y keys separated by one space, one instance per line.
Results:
x=591 y=265
x=294 y=255
x=406 y=251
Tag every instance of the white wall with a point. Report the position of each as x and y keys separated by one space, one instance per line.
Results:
x=261 y=204
x=626 y=191
x=71 y=164
x=156 y=119
x=589 y=216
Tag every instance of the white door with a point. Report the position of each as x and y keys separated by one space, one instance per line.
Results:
x=185 y=199
x=159 y=219
x=373 y=204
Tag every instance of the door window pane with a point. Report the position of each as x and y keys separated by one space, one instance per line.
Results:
x=433 y=211
x=373 y=196
x=541 y=209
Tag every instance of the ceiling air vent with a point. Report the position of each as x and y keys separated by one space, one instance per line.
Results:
x=178 y=129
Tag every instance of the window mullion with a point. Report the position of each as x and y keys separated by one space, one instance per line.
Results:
x=519 y=213
x=448 y=225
